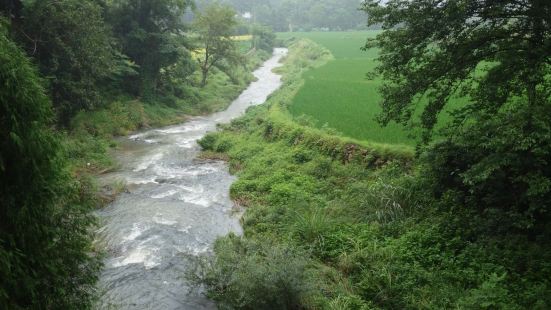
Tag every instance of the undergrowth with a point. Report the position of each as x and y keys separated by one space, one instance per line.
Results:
x=333 y=223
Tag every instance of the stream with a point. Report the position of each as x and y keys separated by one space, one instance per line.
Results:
x=176 y=205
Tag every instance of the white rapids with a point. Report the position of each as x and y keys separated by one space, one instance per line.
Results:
x=176 y=206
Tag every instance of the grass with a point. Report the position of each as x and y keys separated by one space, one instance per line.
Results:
x=343 y=45
x=339 y=95
x=307 y=56
x=351 y=235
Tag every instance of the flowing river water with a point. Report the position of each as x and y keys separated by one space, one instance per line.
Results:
x=176 y=206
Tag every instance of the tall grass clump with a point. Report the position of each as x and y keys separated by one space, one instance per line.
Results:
x=251 y=275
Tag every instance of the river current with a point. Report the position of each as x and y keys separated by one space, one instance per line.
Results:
x=175 y=207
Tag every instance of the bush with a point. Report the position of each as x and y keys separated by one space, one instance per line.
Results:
x=223 y=146
x=251 y=275
x=263 y=38
x=207 y=142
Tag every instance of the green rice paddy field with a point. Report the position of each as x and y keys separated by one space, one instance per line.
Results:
x=339 y=95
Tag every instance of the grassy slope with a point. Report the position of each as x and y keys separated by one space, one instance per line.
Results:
x=368 y=235
x=339 y=94
x=309 y=56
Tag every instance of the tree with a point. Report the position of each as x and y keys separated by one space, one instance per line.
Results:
x=72 y=46
x=215 y=27
x=151 y=34
x=496 y=152
x=45 y=245
x=271 y=15
x=263 y=38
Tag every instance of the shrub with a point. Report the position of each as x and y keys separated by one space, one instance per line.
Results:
x=223 y=146
x=252 y=275
x=207 y=142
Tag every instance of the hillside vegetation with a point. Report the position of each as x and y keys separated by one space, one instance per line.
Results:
x=331 y=223
x=46 y=256
x=300 y=15
x=414 y=173
x=91 y=132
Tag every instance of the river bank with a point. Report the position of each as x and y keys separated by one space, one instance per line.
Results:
x=176 y=205
x=92 y=134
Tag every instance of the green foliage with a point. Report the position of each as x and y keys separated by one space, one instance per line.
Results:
x=306 y=56
x=376 y=235
x=498 y=166
x=301 y=15
x=215 y=26
x=117 y=119
x=263 y=38
x=376 y=238
x=492 y=294
x=91 y=132
x=150 y=33
x=72 y=46
x=340 y=96
x=45 y=249
x=46 y=220
x=207 y=142
x=342 y=44
x=496 y=149
x=435 y=57
x=251 y=275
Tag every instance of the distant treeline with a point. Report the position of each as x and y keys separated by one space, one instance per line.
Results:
x=301 y=15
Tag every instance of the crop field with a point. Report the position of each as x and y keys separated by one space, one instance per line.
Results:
x=339 y=95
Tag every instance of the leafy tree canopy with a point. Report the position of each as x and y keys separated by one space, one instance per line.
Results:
x=44 y=241
x=497 y=54
x=151 y=34
x=71 y=44
x=215 y=27
x=296 y=15
x=263 y=38
x=490 y=50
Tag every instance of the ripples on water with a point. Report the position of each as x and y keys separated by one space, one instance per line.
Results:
x=176 y=206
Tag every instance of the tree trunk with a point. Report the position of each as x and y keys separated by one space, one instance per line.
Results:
x=205 y=73
x=536 y=44
x=535 y=76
